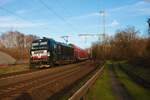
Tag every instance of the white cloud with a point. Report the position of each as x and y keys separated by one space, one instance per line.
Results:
x=93 y=14
x=114 y=23
x=85 y=16
x=138 y=8
x=9 y=22
x=19 y=25
x=21 y=11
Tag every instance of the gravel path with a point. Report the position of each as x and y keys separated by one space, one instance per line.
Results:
x=118 y=88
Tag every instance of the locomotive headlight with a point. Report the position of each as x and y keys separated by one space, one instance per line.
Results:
x=32 y=52
x=48 y=53
x=45 y=51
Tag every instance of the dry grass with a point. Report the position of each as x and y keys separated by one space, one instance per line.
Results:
x=13 y=68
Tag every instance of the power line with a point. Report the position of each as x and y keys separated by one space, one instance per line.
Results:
x=10 y=12
x=103 y=13
x=14 y=14
x=55 y=13
x=60 y=4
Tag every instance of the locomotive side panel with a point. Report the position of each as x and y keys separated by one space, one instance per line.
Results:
x=64 y=53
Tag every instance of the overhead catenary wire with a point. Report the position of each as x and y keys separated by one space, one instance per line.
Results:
x=60 y=4
x=46 y=6
x=12 y=13
x=56 y=14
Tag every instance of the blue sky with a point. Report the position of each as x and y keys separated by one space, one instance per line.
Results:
x=72 y=17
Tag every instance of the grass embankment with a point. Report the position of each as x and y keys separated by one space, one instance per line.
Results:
x=143 y=72
x=136 y=91
x=13 y=69
x=101 y=90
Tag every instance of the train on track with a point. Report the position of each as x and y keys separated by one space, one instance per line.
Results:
x=47 y=52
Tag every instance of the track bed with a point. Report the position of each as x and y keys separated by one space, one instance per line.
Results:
x=42 y=84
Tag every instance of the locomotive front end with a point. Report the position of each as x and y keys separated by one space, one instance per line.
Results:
x=40 y=53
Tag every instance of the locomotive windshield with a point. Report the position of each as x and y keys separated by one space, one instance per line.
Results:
x=39 y=45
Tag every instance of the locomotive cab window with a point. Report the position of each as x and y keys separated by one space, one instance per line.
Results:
x=39 y=45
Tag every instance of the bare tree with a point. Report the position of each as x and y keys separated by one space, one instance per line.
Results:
x=16 y=44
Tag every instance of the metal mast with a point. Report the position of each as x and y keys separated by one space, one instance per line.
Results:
x=148 y=26
x=91 y=35
x=102 y=13
x=65 y=38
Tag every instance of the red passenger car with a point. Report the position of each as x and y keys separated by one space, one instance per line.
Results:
x=79 y=53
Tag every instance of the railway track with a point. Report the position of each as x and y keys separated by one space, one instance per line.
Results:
x=33 y=70
x=42 y=85
x=6 y=80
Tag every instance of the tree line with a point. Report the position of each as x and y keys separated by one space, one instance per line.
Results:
x=126 y=44
x=16 y=44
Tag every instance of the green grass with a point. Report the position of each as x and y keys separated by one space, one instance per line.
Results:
x=13 y=68
x=136 y=91
x=101 y=90
x=138 y=70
